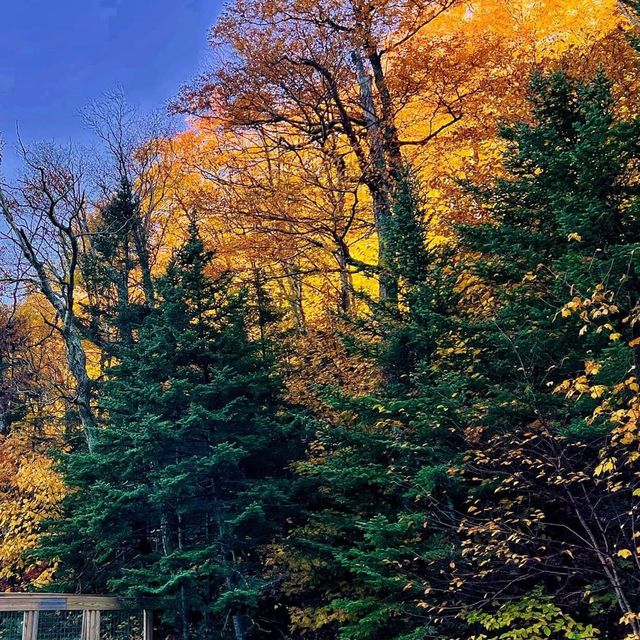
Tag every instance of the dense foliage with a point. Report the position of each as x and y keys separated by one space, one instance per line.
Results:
x=189 y=475
x=356 y=357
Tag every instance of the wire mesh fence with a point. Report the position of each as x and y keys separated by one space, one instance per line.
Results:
x=120 y=625
x=60 y=625
x=11 y=625
x=54 y=616
x=68 y=625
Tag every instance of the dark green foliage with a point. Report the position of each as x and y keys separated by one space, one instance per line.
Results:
x=409 y=528
x=565 y=221
x=387 y=511
x=113 y=272
x=564 y=229
x=190 y=476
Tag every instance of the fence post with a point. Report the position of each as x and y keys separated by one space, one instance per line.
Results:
x=30 y=625
x=90 y=625
x=147 y=624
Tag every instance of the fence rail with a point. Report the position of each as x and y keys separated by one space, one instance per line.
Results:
x=60 y=616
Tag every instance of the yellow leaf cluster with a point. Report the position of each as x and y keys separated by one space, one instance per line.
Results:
x=30 y=491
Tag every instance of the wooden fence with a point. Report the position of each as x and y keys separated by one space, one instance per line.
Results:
x=59 y=616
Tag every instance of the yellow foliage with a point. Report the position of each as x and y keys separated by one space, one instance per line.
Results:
x=30 y=491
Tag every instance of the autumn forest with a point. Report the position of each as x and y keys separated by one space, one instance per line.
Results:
x=352 y=353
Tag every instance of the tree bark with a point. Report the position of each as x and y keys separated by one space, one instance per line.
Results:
x=77 y=363
x=346 y=285
x=379 y=181
x=62 y=301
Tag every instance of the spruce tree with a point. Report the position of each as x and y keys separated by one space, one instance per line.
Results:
x=563 y=222
x=386 y=513
x=189 y=477
x=470 y=480
x=113 y=272
x=551 y=316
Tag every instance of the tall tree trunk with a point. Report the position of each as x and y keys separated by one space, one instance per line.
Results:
x=379 y=182
x=346 y=285
x=124 y=303
x=228 y=560
x=343 y=256
x=296 y=303
x=142 y=250
x=183 y=593
x=239 y=623
x=77 y=363
x=390 y=139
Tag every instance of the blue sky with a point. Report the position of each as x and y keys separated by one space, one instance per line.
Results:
x=56 y=56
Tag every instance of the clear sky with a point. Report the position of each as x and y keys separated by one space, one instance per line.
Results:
x=56 y=56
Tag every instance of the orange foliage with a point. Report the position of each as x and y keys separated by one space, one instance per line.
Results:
x=278 y=157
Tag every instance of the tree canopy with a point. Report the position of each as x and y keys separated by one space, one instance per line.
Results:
x=354 y=356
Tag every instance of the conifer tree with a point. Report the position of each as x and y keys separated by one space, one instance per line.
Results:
x=552 y=318
x=112 y=272
x=386 y=511
x=189 y=476
x=521 y=351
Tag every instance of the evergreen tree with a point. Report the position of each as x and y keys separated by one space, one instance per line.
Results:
x=386 y=513
x=190 y=476
x=113 y=271
x=564 y=221
x=487 y=473
x=551 y=316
